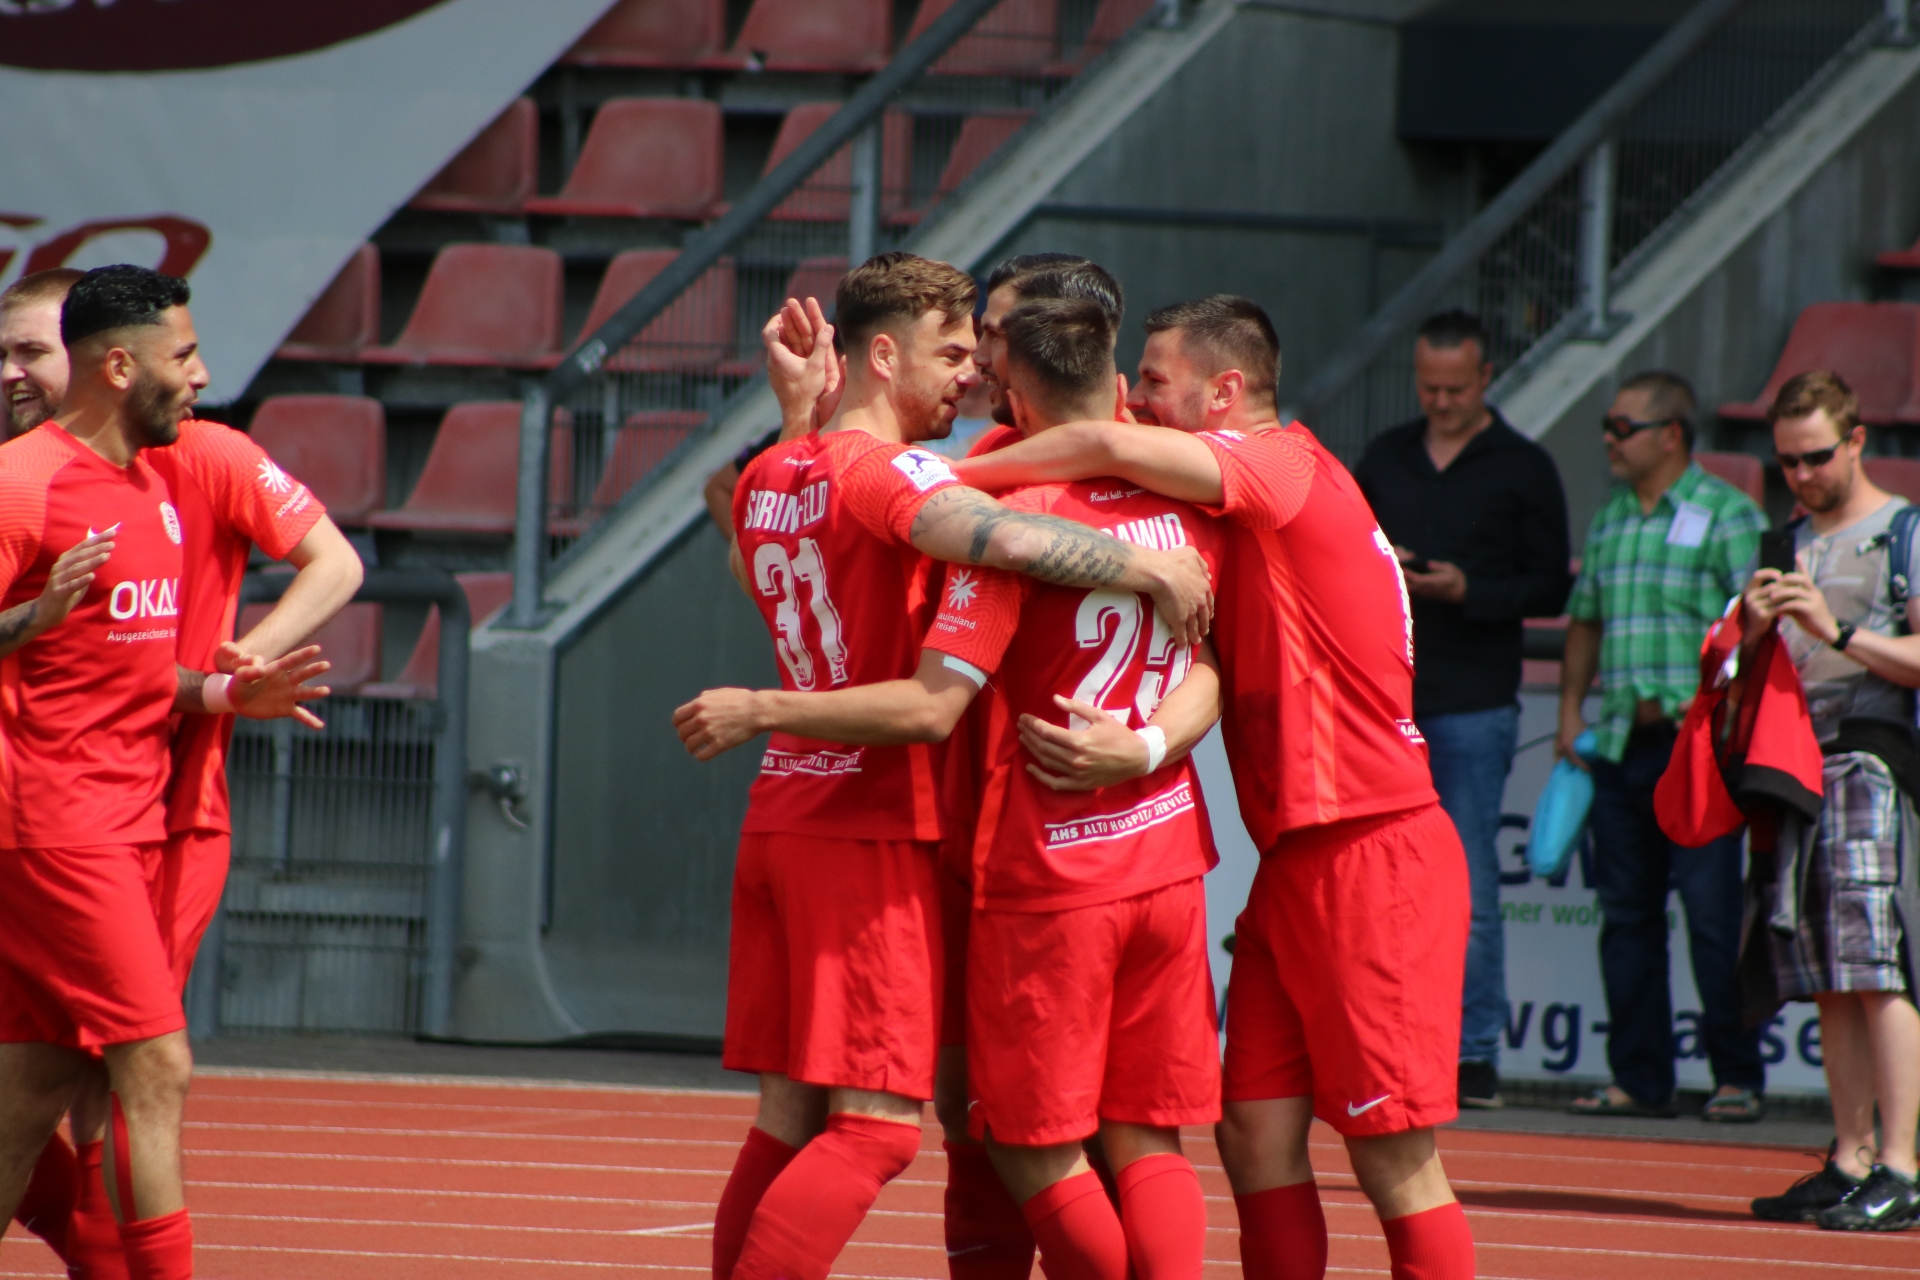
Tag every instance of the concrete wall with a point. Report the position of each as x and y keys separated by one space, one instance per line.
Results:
x=1816 y=243
x=1288 y=110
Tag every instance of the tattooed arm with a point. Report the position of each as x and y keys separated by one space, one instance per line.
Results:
x=965 y=526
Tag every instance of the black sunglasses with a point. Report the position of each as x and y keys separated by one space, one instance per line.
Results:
x=1620 y=427
x=1814 y=458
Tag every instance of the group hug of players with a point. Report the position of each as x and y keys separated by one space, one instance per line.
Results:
x=971 y=867
x=125 y=531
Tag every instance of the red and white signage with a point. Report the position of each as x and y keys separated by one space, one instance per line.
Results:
x=249 y=146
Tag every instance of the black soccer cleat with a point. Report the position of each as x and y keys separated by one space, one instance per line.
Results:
x=1806 y=1199
x=1885 y=1201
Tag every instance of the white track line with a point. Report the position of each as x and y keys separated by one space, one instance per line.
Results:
x=481 y=1135
x=472 y=1082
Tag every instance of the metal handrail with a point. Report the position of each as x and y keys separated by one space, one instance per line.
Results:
x=1581 y=138
x=702 y=251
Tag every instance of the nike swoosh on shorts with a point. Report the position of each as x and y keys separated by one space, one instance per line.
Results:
x=1367 y=1106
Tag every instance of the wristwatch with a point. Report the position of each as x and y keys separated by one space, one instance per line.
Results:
x=1845 y=638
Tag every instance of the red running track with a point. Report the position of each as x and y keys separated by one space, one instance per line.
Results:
x=328 y=1178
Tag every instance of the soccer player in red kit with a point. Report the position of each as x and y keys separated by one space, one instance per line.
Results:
x=1343 y=998
x=833 y=982
x=89 y=638
x=230 y=497
x=1089 y=1003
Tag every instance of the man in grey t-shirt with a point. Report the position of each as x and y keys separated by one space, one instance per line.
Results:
x=1840 y=929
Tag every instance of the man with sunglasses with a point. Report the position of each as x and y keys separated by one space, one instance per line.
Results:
x=1847 y=619
x=1665 y=553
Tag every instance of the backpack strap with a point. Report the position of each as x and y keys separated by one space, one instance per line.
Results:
x=1899 y=555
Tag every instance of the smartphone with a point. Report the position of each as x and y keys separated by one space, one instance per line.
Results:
x=1777 y=551
x=1421 y=565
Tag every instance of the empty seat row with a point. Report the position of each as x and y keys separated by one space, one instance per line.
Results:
x=492 y=305
x=665 y=158
x=337 y=446
x=1875 y=346
x=839 y=35
x=351 y=641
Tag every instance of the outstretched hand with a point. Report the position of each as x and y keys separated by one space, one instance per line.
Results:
x=273 y=690
x=1100 y=755
x=802 y=366
x=715 y=722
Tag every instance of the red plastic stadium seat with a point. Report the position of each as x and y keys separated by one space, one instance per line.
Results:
x=1741 y=470
x=345 y=318
x=1016 y=35
x=979 y=138
x=1907 y=259
x=335 y=445
x=694 y=332
x=467 y=485
x=1870 y=344
x=495 y=173
x=817 y=278
x=646 y=158
x=644 y=443
x=827 y=196
x=657 y=33
x=487 y=594
x=1895 y=475
x=484 y=304
x=351 y=642
x=819 y=35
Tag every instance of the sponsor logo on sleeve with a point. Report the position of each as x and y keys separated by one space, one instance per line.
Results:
x=924 y=469
x=273 y=478
x=962 y=589
x=171 y=519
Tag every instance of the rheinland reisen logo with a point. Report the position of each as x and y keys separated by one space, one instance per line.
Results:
x=171 y=519
x=962 y=589
x=925 y=469
x=273 y=479
x=771 y=511
x=148 y=598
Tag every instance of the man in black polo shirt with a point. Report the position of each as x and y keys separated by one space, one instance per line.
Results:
x=1476 y=513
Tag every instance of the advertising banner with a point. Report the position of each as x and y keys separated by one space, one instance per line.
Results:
x=1557 y=1023
x=249 y=147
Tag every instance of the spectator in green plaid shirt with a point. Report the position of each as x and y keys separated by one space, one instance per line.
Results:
x=1664 y=556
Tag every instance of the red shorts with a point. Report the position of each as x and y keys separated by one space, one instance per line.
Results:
x=192 y=878
x=1099 y=1013
x=834 y=964
x=956 y=908
x=83 y=962
x=1347 y=969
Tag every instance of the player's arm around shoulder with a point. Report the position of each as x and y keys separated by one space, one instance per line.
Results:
x=922 y=708
x=962 y=525
x=1168 y=462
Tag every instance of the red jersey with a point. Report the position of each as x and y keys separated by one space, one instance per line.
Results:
x=822 y=523
x=231 y=497
x=1036 y=849
x=1315 y=639
x=84 y=707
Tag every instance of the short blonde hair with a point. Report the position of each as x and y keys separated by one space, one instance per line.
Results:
x=51 y=285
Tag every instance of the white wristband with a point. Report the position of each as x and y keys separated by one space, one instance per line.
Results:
x=1156 y=739
x=214 y=693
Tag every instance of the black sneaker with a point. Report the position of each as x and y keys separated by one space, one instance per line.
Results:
x=1806 y=1199
x=1886 y=1201
x=1480 y=1086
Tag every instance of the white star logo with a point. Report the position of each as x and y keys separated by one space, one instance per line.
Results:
x=276 y=480
x=961 y=589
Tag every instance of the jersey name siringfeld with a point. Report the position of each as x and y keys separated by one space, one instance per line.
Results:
x=772 y=511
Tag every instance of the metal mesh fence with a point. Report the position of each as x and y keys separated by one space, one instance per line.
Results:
x=668 y=383
x=326 y=904
x=1669 y=153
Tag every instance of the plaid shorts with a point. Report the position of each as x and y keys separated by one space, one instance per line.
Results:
x=1849 y=937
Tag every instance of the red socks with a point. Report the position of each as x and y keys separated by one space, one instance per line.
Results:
x=1434 y=1244
x=1164 y=1216
x=1078 y=1232
x=813 y=1208
x=93 y=1241
x=1283 y=1233
x=987 y=1236
x=159 y=1248
x=761 y=1159
x=52 y=1191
